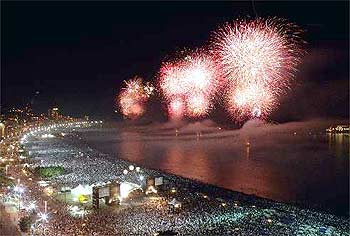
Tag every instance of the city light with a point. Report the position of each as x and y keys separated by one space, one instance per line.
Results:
x=131 y=167
x=43 y=217
x=219 y=119
x=32 y=206
x=19 y=189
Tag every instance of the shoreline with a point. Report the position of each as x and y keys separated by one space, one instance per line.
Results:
x=226 y=210
x=211 y=187
x=248 y=197
x=302 y=204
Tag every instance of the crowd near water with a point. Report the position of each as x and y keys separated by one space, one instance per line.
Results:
x=200 y=210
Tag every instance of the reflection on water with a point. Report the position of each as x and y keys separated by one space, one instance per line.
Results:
x=130 y=149
x=247 y=150
x=339 y=143
x=312 y=169
x=186 y=161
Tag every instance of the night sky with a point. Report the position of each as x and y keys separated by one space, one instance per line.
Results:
x=76 y=55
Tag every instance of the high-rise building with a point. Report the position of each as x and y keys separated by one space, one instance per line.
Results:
x=2 y=130
x=339 y=129
x=53 y=113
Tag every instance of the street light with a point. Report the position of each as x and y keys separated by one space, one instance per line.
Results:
x=43 y=216
x=131 y=167
x=31 y=206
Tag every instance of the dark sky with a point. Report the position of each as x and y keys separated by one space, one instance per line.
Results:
x=77 y=54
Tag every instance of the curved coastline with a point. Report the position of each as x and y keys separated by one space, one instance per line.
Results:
x=164 y=151
x=249 y=208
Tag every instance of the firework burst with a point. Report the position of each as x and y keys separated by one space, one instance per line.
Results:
x=252 y=101
x=176 y=108
x=133 y=97
x=197 y=105
x=191 y=82
x=258 y=59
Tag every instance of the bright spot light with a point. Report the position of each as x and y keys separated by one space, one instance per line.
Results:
x=151 y=189
x=131 y=167
x=19 y=189
x=126 y=188
x=43 y=217
x=31 y=206
x=47 y=136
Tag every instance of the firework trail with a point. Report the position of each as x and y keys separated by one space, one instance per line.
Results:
x=189 y=85
x=258 y=59
x=133 y=97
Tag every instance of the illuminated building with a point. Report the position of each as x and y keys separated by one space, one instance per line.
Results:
x=338 y=129
x=2 y=130
x=53 y=113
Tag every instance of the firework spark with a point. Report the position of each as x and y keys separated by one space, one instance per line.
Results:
x=176 y=108
x=133 y=97
x=191 y=81
x=258 y=59
x=197 y=105
x=252 y=101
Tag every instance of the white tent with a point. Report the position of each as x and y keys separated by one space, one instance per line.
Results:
x=81 y=190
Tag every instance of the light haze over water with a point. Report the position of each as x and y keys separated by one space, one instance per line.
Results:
x=291 y=162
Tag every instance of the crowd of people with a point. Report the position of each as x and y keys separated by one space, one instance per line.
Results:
x=203 y=209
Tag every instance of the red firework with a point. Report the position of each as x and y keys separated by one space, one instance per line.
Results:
x=258 y=59
x=133 y=97
x=176 y=108
x=192 y=80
